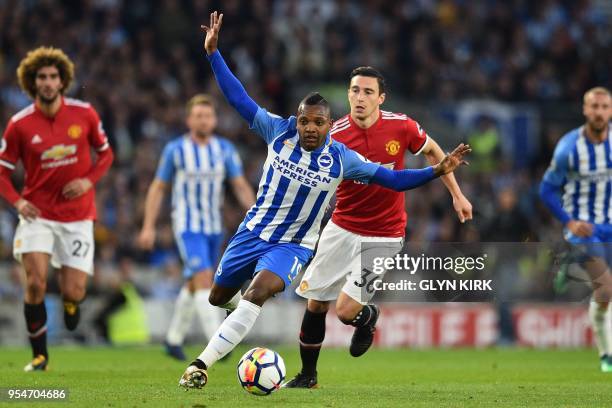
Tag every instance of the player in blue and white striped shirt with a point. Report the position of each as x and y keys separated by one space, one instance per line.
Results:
x=197 y=165
x=303 y=168
x=577 y=188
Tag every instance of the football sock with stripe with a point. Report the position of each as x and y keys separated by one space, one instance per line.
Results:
x=36 y=322
x=231 y=332
x=363 y=317
x=312 y=334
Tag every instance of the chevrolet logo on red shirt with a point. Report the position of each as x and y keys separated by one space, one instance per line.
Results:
x=58 y=152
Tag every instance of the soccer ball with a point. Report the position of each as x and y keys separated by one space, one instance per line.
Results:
x=261 y=371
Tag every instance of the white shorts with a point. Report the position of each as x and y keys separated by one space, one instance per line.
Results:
x=337 y=264
x=69 y=243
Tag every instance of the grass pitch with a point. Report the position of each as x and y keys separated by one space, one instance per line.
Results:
x=132 y=377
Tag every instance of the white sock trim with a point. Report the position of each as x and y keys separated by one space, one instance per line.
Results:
x=233 y=303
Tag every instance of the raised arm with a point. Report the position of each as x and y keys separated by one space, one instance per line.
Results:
x=401 y=180
x=231 y=87
x=356 y=167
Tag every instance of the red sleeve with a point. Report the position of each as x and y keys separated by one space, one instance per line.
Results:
x=9 y=155
x=10 y=151
x=415 y=136
x=97 y=136
x=99 y=141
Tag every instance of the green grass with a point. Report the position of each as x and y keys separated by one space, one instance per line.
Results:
x=131 y=377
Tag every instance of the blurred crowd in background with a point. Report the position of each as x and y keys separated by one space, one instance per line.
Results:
x=138 y=62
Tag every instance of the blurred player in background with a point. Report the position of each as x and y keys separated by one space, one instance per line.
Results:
x=364 y=214
x=53 y=138
x=577 y=188
x=303 y=168
x=197 y=164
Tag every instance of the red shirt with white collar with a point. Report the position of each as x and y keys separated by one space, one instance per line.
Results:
x=54 y=151
x=369 y=209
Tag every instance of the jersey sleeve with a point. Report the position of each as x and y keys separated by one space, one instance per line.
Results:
x=415 y=137
x=269 y=125
x=355 y=166
x=165 y=168
x=556 y=174
x=10 y=150
x=97 y=136
x=233 y=164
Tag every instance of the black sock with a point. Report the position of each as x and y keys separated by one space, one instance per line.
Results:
x=36 y=322
x=311 y=338
x=199 y=363
x=363 y=317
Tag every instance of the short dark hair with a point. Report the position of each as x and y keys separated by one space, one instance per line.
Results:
x=314 y=99
x=370 y=72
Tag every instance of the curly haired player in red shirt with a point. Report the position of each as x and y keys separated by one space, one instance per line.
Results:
x=363 y=213
x=53 y=138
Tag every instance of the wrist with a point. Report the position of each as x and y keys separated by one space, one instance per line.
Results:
x=457 y=195
x=437 y=170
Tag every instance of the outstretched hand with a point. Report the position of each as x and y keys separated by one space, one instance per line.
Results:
x=452 y=160
x=212 y=32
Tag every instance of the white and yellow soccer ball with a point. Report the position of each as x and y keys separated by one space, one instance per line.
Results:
x=261 y=371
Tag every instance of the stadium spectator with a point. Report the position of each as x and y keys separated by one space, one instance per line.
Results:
x=432 y=52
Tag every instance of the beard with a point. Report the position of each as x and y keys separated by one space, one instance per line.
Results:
x=200 y=134
x=48 y=101
x=597 y=126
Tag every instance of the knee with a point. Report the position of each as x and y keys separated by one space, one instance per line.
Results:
x=201 y=280
x=36 y=288
x=74 y=292
x=257 y=295
x=217 y=298
x=315 y=306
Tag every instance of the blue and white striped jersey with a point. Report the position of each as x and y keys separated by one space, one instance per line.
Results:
x=584 y=170
x=198 y=173
x=297 y=184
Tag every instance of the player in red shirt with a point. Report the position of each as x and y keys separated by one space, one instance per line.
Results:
x=53 y=138
x=363 y=213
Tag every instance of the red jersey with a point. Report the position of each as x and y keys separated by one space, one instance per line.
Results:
x=54 y=151
x=373 y=210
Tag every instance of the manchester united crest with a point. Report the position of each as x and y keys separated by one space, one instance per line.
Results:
x=74 y=131
x=392 y=147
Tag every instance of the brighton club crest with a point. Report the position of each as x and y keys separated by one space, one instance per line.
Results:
x=325 y=161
